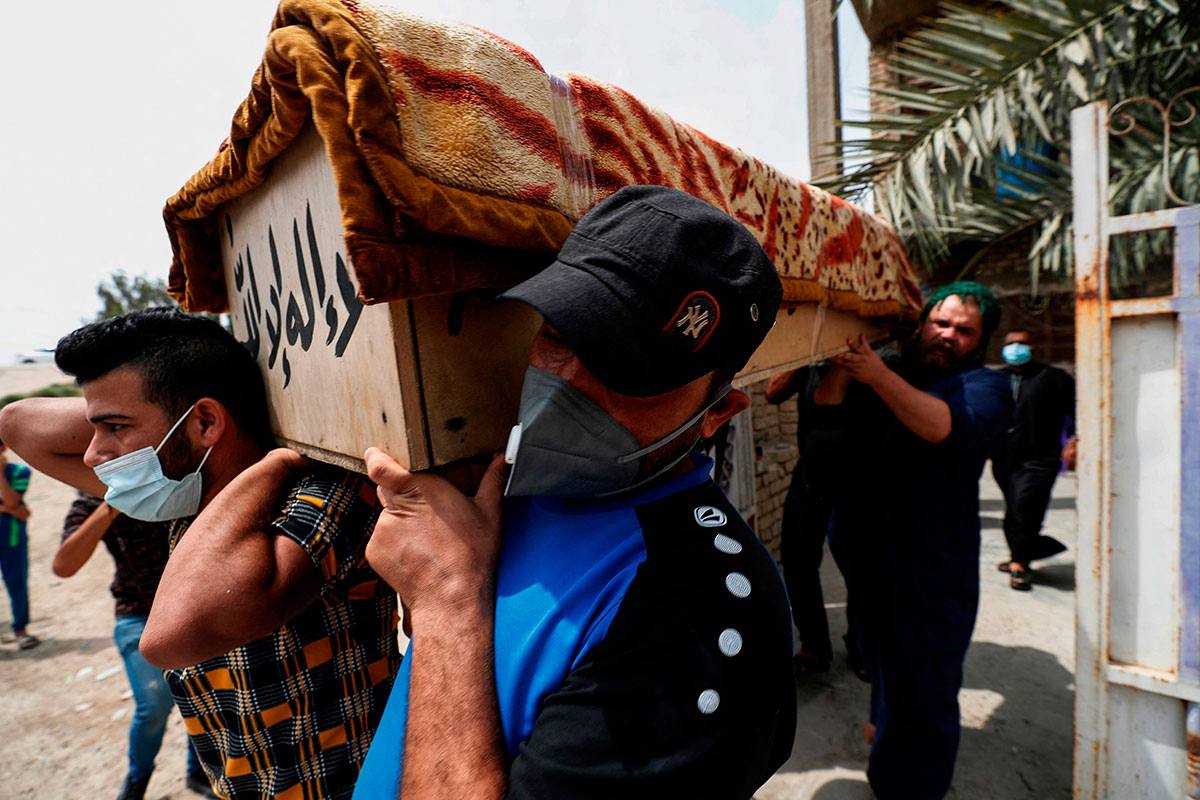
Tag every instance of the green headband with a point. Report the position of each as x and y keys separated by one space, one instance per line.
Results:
x=989 y=307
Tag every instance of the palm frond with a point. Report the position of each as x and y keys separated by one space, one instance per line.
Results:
x=974 y=146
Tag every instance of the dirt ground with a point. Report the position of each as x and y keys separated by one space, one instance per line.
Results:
x=66 y=704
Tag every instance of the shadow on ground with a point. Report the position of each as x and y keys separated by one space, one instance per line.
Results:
x=1012 y=744
x=1017 y=750
x=1060 y=576
x=1017 y=699
x=48 y=648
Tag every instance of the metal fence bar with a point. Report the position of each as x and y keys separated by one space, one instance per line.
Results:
x=1142 y=307
x=1089 y=167
x=1153 y=682
x=1187 y=287
x=1148 y=220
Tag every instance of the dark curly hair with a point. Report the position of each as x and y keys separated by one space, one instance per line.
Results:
x=181 y=359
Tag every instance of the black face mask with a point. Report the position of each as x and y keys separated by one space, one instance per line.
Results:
x=567 y=446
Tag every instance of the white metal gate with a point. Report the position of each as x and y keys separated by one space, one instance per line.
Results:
x=1137 y=717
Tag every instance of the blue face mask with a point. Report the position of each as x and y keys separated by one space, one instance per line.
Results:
x=138 y=489
x=1016 y=353
x=567 y=446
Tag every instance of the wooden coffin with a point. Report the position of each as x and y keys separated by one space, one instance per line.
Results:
x=388 y=173
x=430 y=379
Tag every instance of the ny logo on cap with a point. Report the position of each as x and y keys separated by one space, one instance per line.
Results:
x=695 y=320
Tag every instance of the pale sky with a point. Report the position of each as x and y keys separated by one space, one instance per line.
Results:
x=110 y=108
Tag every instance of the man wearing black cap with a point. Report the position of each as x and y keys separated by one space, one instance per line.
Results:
x=612 y=628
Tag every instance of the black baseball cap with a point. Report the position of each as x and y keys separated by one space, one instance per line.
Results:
x=654 y=288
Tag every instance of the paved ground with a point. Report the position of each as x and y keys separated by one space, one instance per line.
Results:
x=1017 y=701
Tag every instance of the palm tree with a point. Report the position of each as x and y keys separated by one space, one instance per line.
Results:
x=976 y=149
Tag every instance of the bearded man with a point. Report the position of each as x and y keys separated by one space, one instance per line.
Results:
x=922 y=428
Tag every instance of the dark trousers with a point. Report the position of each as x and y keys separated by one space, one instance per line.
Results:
x=915 y=630
x=1026 y=486
x=914 y=706
x=14 y=567
x=914 y=627
x=805 y=527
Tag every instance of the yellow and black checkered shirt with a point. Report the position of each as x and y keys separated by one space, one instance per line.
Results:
x=291 y=715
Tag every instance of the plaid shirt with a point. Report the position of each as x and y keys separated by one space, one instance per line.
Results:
x=292 y=714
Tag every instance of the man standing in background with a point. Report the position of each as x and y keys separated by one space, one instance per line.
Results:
x=139 y=552
x=14 y=546
x=806 y=525
x=1026 y=460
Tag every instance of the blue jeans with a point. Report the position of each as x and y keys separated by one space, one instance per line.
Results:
x=151 y=697
x=14 y=567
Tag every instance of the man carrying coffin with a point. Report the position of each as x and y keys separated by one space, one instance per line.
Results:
x=602 y=624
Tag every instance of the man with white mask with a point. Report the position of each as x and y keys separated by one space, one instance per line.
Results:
x=602 y=623
x=278 y=639
x=1027 y=458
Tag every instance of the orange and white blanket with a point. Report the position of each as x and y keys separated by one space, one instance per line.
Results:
x=457 y=156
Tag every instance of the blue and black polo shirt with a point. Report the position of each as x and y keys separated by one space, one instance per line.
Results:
x=643 y=649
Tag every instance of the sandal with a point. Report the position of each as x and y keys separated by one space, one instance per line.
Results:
x=1005 y=566
x=27 y=642
x=1019 y=579
x=805 y=665
x=856 y=666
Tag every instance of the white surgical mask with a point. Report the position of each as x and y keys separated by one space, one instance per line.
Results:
x=1016 y=353
x=138 y=489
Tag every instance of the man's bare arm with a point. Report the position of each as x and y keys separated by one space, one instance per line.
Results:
x=231 y=579
x=922 y=413
x=77 y=548
x=438 y=549
x=783 y=386
x=52 y=434
x=20 y=511
x=10 y=498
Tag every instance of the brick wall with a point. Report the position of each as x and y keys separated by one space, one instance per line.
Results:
x=776 y=453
